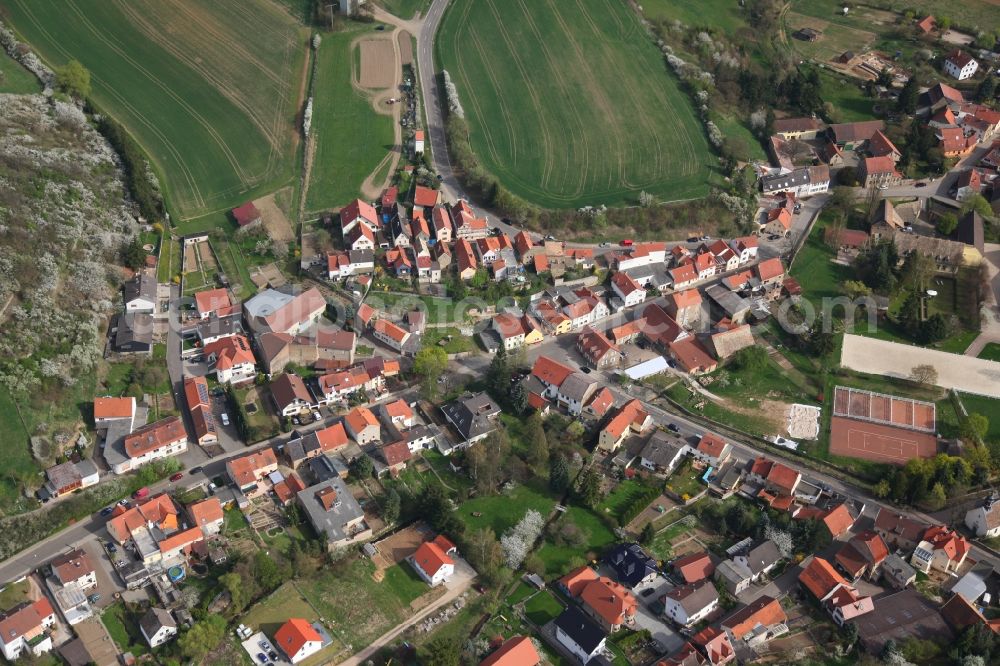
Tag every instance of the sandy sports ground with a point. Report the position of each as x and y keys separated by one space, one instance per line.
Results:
x=892 y=359
x=803 y=421
x=378 y=63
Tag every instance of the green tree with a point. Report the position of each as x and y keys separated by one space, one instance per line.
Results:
x=751 y=359
x=390 y=513
x=947 y=224
x=203 y=637
x=979 y=204
x=881 y=489
x=938 y=496
x=518 y=399
x=974 y=427
x=429 y=364
x=267 y=572
x=821 y=343
x=588 y=489
x=238 y=592
x=74 y=79
x=440 y=651
x=538 y=443
x=362 y=467
x=925 y=374
x=558 y=474
x=907 y=101
x=133 y=255
x=498 y=376
x=855 y=289
x=944 y=24
x=648 y=534
x=483 y=550
x=987 y=90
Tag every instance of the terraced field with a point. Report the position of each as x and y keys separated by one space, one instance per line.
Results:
x=569 y=102
x=210 y=88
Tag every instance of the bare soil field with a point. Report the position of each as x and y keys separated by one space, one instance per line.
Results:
x=397 y=547
x=405 y=42
x=378 y=63
x=274 y=219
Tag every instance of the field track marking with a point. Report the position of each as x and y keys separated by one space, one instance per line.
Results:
x=234 y=162
x=195 y=190
x=507 y=125
x=582 y=132
x=532 y=93
x=156 y=35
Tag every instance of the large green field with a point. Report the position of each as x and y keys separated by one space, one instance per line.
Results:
x=351 y=139
x=209 y=88
x=569 y=103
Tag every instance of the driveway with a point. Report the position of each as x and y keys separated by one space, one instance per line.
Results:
x=893 y=359
x=645 y=618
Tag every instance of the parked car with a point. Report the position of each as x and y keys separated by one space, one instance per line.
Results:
x=693 y=239
x=177 y=477
x=195 y=470
x=94 y=598
x=225 y=418
x=920 y=184
x=263 y=645
x=141 y=493
x=316 y=415
x=585 y=370
x=262 y=658
x=296 y=420
x=112 y=548
x=106 y=511
x=123 y=502
x=273 y=655
x=705 y=238
x=648 y=591
x=673 y=428
x=628 y=242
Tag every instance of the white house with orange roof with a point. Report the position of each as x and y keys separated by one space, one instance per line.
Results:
x=162 y=439
x=207 y=515
x=210 y=301
x=362 y=425
x=27 y=628
x=632 y=418
x=627 y=289
x=746 y=247
x=298 y=639
x=232 y=360
x=390 y=334
x=358 y=212
x=249 y=472
x=399 y=413
x=942 y=549
x=432 y=563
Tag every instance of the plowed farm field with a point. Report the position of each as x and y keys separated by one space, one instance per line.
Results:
x=210 y=88
x=569 y=102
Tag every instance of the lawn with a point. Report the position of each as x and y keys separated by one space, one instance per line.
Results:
x=558 y=559
x=847 y=97
x=356 y=607
x=544 y=85
x=835 y=37
x=285 y=602
x=542 y=608
x=686 y=480
x=662 y=548
x=404 y=8
x=351 y=138
x=124 y=629
x=214 y=110
x=500 y=512
x=439 y=310
x=16 y=79
x=991 y=352
x=454 y=341
x=750 y=423
x=988 y=407
x=623 y=497
x=722 y=14
x=815 y=271
x=13 y=594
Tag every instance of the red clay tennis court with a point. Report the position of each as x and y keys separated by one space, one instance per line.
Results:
x=879 y=443
x=885 y=409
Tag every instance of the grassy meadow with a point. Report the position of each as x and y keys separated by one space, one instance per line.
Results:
x=351 y=139
x=570 y=103
x=214 y=110
x=16 y=79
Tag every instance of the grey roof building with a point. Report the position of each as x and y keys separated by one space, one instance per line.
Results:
x=898 y=616
x=132 y=333
x=631 y=564
x=728 y=303
x=578 y=387
x=333 y=512
x=140 y=292
x=761 y=557
x=473 y=415
x=663 y=451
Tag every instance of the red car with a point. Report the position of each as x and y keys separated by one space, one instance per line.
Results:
x=627 y=242
x=177 y=477
x=141 y=493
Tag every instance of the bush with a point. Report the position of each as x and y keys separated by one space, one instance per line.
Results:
x=145 y=193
